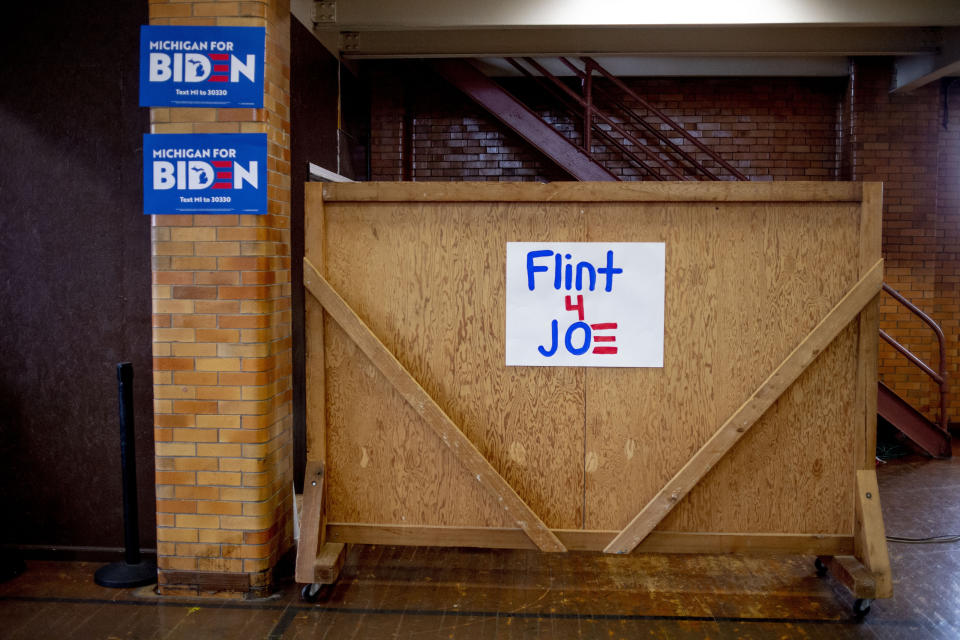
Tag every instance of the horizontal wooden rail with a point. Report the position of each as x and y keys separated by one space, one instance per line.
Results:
x=767 y=192
x=591 y=540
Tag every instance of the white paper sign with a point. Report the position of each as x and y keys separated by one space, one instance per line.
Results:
x=585 y=304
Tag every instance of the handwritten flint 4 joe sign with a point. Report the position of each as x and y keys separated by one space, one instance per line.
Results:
x=201 y=66
x=218 y=173
x=593 y=304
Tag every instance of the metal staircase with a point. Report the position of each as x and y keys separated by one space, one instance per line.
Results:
x=910 y=422
x=931 y=437
x=527 y=124
x=612 y=117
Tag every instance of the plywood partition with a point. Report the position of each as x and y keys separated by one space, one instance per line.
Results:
x=758 y=422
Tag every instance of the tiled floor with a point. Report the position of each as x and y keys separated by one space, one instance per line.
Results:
x=394 y=592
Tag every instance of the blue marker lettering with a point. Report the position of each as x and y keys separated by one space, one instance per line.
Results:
x=569 y=342
x=581 y=266
x=532 y=268
x=553 y=342
x=609 y=271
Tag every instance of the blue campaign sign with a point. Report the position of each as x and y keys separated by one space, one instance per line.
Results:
x=201 y=66
x=204 y=173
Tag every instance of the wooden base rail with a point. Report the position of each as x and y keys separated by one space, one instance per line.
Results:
x=581 y=540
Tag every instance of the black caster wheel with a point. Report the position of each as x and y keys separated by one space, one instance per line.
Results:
x=861 y=607
x=820 y=567
x=310 y=592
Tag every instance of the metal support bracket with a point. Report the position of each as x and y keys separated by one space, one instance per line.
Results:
x=324 y=13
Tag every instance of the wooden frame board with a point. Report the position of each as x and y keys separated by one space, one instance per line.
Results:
x=427 y=438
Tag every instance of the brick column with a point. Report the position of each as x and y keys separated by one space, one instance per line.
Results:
x=221 y=346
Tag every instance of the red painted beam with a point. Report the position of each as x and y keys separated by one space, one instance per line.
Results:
x=912 y=423
x=522 y=120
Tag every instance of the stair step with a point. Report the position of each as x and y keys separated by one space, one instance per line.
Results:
x=913 y=424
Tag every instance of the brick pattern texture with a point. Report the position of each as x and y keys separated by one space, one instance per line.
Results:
x=946 y=302
x=451 y=138
x=769 y=129
x=894 y=139
x=221 y=343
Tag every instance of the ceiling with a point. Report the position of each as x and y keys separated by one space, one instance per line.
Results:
x=632 y=37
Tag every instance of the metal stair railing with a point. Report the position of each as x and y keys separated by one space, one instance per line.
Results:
x=661 y=151
x=592 y=65
x=571 y=103
x=591 y=109
x=939 y=376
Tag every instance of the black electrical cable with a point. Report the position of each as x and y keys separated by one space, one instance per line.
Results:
x=930 y=540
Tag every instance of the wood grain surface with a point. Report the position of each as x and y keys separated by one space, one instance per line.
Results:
x=579 y=192
x=312 y=524
x=316 y=400
x=870 y=539
x=751 y=269
x=430 y=287
x=850 y=572
x=742 y=420
x=449 y=434
x=871 y=215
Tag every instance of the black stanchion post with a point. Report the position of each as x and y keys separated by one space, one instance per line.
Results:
x=132 y=572
x=128 y=462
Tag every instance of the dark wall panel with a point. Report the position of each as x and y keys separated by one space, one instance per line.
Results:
x=74 y=273
x=313 y=138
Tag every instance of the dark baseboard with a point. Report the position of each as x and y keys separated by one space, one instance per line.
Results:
x=73 y=553
x=208 y=581
x=248 y=585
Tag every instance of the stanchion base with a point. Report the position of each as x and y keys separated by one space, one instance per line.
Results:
x=120 y=575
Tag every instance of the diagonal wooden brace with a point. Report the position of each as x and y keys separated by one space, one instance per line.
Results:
x=749 y=412
x=448 y=432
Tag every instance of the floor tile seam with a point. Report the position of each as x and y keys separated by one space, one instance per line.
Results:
x=293 y=609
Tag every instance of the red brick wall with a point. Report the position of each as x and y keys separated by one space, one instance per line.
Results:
x=946 y=303
x=894 y=139
x=448 y=136
x=386 y=125
x=770 y=129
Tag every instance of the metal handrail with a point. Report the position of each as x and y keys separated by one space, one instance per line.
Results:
x=593 y=65
x=594 y=116
x=923 y=366
x=587 y=80
x=940 y=377
x=567 y=103
x=651 y=155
